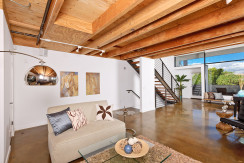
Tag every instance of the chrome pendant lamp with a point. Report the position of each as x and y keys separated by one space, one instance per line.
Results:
x=39 y=74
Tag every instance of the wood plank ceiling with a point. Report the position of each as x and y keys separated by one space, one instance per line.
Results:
x=128 y=29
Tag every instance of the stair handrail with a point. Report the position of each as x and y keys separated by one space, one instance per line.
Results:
x=163 y=64
x=133 y=93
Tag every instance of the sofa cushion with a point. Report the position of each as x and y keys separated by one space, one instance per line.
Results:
x=88 y=134
x=88 y=108
x=218 y=96
x=60 y=121
x=71 y=141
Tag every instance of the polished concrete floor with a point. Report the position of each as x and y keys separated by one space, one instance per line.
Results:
x=188 y=128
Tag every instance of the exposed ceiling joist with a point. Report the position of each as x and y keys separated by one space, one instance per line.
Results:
x=218 y=31
x=213 y=40
x=24 y=25
x=24 y=40
x=161 y=23
x=74 y=23
x=227 y=14
x=146 y=15
x=52 y=16
x=113 y=13
x=128 y=29
x=1 y=4
x=208 y=46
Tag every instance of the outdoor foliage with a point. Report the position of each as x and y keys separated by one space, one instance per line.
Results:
x=196 y=79
x=228 y=78
x=218 y=77
x=213 y=75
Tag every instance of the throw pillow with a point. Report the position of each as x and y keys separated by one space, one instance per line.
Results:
x=78 y=118
x=206 y=95
x=218 y=96
x=104 y=112
x=59 y=121
x=211 y=95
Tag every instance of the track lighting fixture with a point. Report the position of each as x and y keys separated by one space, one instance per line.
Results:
x=228 y=1
x=102 y=51
x=78 y=48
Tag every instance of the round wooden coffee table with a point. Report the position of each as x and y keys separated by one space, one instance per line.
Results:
x=221 y=125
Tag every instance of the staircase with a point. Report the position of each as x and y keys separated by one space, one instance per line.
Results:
x=164 y=90
x=197 y=90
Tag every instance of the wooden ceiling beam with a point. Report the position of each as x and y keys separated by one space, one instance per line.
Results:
x=208 y=46
x=24 y=25
x=113 y=13
x=24 y=41
x=146 y=15
x=1 y=4
x=73 y=23
x=231 y=12
x=157 y=25
x=218 y=31
x=51 y=17
x=193 y=45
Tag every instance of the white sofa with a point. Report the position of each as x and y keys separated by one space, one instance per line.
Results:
x=96 y=134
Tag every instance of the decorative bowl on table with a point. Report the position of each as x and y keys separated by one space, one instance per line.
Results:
x=241 y=93
x=128 y=148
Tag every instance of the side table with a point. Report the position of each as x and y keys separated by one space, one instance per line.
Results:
x=125 y=113
x=237 y=100
x=221 y=125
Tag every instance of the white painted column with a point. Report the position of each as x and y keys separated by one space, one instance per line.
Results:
x=147 y=87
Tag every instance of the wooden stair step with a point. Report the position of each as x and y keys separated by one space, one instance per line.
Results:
x=135 y=62
x=137 y=67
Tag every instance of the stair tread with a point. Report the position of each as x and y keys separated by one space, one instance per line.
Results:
x=137 y=66
x=135 y=62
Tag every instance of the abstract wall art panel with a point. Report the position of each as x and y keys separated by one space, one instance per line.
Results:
x=68 y=84
x=92 y=83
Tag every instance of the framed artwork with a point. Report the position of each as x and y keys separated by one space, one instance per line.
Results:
x=92 y=83
x=68 y=84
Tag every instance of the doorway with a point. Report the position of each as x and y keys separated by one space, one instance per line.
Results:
x=196 y=85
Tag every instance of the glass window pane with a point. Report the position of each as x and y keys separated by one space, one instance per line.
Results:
x=225 y=57
x=191 y=59
x=224 y=77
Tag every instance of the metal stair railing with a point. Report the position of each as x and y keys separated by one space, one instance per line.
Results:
x=133 y=93
x=166 y=78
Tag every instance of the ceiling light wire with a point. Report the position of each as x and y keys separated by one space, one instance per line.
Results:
x=78 y=46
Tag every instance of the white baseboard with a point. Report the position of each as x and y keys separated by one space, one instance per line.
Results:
x=8 y=154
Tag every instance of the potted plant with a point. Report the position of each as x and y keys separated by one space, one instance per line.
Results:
x=181 y=79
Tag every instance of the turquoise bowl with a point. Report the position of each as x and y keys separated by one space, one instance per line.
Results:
x=241 y=93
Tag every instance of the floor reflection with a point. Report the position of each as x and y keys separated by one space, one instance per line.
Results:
x=190 y=128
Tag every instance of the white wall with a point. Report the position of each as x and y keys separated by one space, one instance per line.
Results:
x=5 y=87
x=147 y=79
x=31 y=102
